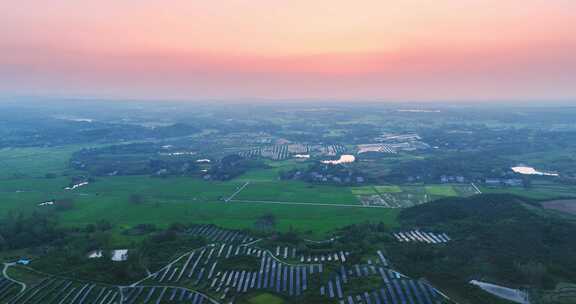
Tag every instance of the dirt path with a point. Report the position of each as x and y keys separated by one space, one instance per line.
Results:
x=231 y=197
x=5 y=274
x=167 y=266
x=476 y=188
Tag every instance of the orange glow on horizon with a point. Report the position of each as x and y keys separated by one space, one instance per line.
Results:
x=372 y=47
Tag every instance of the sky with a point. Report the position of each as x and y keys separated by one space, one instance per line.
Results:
x=321 y=49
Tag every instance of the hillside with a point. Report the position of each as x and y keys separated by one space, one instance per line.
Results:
x=503 y=239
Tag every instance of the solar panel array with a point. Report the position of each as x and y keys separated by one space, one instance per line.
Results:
x=201 y=269
x=422 y=237
x=206 y=275
x=159 y=294
x=215 y=234
x=396 y=288
x=63 y=291
x=7 y=289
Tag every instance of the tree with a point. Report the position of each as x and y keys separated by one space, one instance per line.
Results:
x=526 y=182
x=90 y=228
x=2 y=242
x=266 y=222
x=534 y=272
x=102 y=239
x=103 y=225
x=136 y=199
x=177 y=227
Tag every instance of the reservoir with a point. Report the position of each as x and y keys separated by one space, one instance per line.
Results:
x=531 y=171
x=344 y=159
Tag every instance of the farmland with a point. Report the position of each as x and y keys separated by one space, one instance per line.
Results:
x=295 y=204
x=34 y=162
x=540 y=190
x=403 y=196
x=297 y=192
x=217 y=265
x=184 y=199
x=189 y=199
x=205 y=204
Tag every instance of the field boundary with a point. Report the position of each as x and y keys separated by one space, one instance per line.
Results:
x=381 y=197
x=477 y=189
x=308 y=204
x=231 y=197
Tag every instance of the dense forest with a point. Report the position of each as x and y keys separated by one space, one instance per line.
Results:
x=499 y=238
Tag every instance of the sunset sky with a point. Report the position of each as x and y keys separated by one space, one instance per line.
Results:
x=363 y=49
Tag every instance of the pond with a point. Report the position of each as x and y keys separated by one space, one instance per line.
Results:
x=344 y=159
x=531 y=171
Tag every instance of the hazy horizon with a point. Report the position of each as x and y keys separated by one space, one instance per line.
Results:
x=298 y=102
x=222 y=50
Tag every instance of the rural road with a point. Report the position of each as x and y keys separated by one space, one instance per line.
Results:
x=236 y=192
x=5 y=274
x=476 y=188
x=137 y=284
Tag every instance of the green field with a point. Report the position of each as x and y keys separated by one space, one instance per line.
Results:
x=404 y=196
x=34 y=162
x=539 y=190
x=180 y=199
x=372 y=190
x=162 y=207
x=176 y=199
x=297 y=192
x=368 y=190
x=264 y=298
x=441 y=190
x=23 y=184
x=388 y=189
x=271 y=173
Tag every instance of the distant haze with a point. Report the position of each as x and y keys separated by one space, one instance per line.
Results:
x=227 y=49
